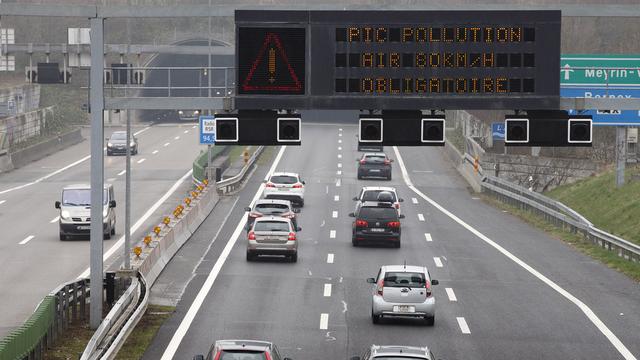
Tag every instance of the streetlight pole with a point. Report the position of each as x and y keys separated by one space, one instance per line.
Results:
x=209 y=74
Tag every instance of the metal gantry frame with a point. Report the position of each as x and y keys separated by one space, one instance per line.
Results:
x=97 y=15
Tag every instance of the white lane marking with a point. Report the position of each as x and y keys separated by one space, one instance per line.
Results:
x=414 y=200
x=54 y=220
x=327 y=290
x=334 y=214
x=176 y=138
x=336 y=198
x=324 y=321
x=339 y=141
x=595 y=320
x=464 y=328
x=186 y=131
x=450 y=294
x=428 y=237
x=339 y=172
x=179 y=334
x=423 y=171
x=326 y=190
x=141 y=220
x=339 y=148
x=3 y=201
x=194 y=126
x=339 y=129
x=122 y=172
x=340 y=134
x=329 y=258
x=338 y=182
x=339 y=156
x=166 y=144
x=420 y=217
x=155 y=152
x=475 y=198
x=339 y=165
x=141 y=160
x=322 y=225
x=332 y=234
x=437 y=261
x=26 y=240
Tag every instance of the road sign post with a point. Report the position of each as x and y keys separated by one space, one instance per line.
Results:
x=208 y=137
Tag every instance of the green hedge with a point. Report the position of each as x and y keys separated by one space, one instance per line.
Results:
x=20 y=342
x=200 y=163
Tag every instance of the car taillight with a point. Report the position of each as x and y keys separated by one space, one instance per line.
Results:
x=217 y=357
x=289 y=215
x=252 y=235
x=361 y=223
x=255 y=214
x=380 y=288
x=428 y=288
x=387 y=162
x=393 y=224
x=362 y=162
x=266 y=354
x=270 y=185
x=297 y=186
x=292 y=236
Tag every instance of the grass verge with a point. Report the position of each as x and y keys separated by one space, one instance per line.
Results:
x=72 y=344
x=606 y=257
x=145 y=331
x=455 y=137
x=610 y=208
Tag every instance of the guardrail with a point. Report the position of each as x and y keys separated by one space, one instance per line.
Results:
x=233 y=183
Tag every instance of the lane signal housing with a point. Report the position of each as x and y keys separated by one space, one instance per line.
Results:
x=289 y=129
x=432 y=130
x=370 y=130
x=579 y=131
x=516 y=130
x=227 y=129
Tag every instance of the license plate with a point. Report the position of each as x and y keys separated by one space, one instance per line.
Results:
x=84 y=227
x=404 y=309
x=283 y=189
x=374 y=170
x=376 y=230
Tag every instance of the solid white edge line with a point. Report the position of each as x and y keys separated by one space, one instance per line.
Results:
x=332 y=234
x=141 y=220
x=26 y=240
x=599 y=324
x=437 y=260
x=464 y=328
x=324 y=321
x=428 y=237
x=327 y=290
x=450 y=294
x=334 y=214
x=330 y=258
x=420 y=217
x=54 y=220
x=185 y=324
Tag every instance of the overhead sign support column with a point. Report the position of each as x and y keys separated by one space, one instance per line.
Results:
x=97 y=169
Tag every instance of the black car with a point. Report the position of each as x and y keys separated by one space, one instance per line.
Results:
x=376 y=165
x=117 y=144
x=273 y=207
x=377 y=222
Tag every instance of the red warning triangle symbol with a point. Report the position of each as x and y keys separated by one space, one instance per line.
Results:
x=270 y=72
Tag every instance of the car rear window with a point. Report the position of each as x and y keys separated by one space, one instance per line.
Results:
x=378 y=213
x=271 y=226
x=284 y=179
x=242 y=355
x=404 y=279
x=375 y=159
x=119 y=136
x=272 y=208
x=372 y=195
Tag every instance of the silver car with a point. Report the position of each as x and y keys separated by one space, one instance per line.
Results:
x=273 y=235
x=396 y=353
x=403 y=290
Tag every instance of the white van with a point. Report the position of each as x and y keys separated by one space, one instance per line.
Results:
x=75 y=211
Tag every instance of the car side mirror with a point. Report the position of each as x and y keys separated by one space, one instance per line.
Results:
x=247 y=208
x=390 y=160
x=296 y=210
x=112 y=203
x=401 y=200
x=107 y=139
x=371 y=280
x=304 y=182
x=401 y=216
x=264 y=181
x=299 y=228
x=352 y=215
x=435 y=282
x=57 y=204
x=355 y=198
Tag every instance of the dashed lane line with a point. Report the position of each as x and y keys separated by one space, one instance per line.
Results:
x=332 y=234
x=438 y=262
x=330 y=258
x=428 y=237
x=450 y=294
x=324 y=321
x=420 y=217
x=327 y=290
x=26 y=240
x=462 y=323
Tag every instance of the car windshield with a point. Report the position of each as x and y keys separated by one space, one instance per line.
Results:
x=272 y=208
x=271 y=226
x=284 y=179
x=242 y=355
x=404 y=279
x=375 y=159
x=118 y=136
x=378 y=213
x=372 y=195
x=79 y=197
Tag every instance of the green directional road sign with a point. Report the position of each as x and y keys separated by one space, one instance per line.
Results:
x=600 y=70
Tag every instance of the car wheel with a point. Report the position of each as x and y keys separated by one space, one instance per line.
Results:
x=375 y=318
x=250 y=256
x=107 y=236
x=63 y=237
x=397 y=244
x=294 y=257
x=301 y=202
x=113 y=229
x=354 y=242
x=430 y=320
x=389 y=177
x=359 y=176
x=109 y=153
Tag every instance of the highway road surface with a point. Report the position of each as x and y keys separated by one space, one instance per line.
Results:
x=507 y=290
x=33 y=261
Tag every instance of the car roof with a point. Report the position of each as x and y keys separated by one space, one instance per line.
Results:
x=380 y=204
x=396 y=350
x=403 y=268
x=272 y=218
x=251 y=345
x=273 y=201
x=285 y=174
x=82 y=186
x=378 y=188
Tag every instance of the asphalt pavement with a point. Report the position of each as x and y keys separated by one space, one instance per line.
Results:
x=507 y=290
x=33 y=261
